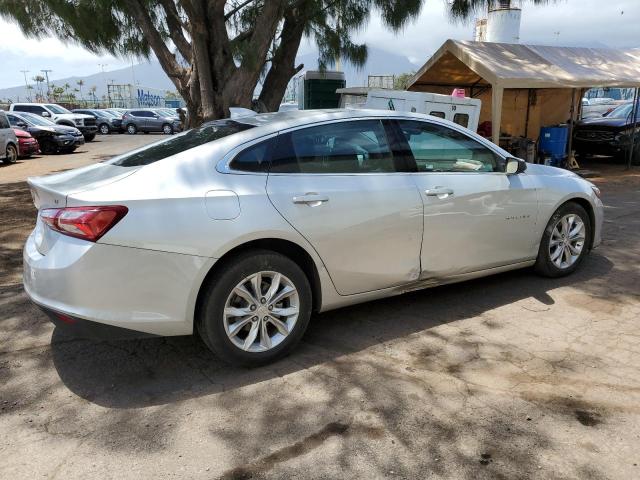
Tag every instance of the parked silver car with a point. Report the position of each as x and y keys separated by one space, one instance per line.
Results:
x=242 y=228
x=8 y=141
x=149 y=120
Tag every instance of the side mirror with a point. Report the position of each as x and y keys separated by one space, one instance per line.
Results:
x=515 y=166
x=45 y=114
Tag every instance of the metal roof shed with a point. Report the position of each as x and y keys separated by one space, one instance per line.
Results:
x=503 y=66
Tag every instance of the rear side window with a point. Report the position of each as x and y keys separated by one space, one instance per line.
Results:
x=437 y=114
x=29 y=108
x=341 y=147
x=253 y=159
x=179 y=143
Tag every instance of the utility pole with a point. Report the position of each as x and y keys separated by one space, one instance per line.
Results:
x=26 y=84
x=46 y=74
x=102 y=65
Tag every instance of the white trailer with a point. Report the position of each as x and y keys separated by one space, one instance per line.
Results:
x=461 y=110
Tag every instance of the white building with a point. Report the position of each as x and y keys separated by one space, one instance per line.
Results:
x=502 y=24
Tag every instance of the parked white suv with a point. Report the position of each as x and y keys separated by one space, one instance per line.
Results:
x=60 y=115
x=8 y=140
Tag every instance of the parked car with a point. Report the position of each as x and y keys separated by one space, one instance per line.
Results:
x=239 y=229
x=598 y=107
x=8 y=141
x=106 y=122
x=27 y=145
x=610 y=135
x=60 y=115
x=51 y=137
x=147 y=120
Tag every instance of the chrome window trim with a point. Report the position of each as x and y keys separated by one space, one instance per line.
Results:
x=224 y=165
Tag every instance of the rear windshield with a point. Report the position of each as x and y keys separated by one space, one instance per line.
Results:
x=179 y=143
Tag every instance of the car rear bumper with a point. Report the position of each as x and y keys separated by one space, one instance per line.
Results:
x=141 y=290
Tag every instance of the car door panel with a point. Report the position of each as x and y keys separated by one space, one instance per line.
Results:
x=474 y=218
x=487 y=220
x=366 y=227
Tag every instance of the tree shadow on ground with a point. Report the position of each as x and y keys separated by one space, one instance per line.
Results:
x=155 y=371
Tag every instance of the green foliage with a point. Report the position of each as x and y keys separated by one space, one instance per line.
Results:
x=401 y=82
x=465 y=9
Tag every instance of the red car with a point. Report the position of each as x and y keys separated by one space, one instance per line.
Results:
x=27 y=145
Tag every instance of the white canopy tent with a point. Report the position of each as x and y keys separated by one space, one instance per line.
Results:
x=556 y=71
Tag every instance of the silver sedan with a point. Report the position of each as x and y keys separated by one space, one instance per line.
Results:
x=241 y=228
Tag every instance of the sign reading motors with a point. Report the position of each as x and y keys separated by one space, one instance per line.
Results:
x=148 y=99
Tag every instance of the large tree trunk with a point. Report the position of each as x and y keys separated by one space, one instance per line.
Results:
x=283 y=64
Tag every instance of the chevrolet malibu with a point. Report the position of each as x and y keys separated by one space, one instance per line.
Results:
x=240 y=229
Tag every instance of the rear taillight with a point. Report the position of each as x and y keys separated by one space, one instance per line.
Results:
x=87 y=223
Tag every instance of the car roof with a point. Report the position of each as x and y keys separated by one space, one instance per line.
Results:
x=293 y=118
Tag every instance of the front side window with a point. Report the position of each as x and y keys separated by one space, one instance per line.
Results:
x=441 y=149
x=57 y=108
x=341 y=147
x=4 y=123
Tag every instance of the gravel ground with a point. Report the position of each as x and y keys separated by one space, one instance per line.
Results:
x=506 y=377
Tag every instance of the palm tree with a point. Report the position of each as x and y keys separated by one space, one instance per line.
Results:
x=29 y=88
x=80 y=84
x=93 y=92
x=38 y=79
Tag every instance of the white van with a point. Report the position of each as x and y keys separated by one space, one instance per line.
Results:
x=461 y=110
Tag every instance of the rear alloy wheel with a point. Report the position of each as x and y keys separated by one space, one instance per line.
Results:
x=167 y=129
x=565 y=241
x=11 y=154
x=255 y=310
x=131 y=129
x=104 y=129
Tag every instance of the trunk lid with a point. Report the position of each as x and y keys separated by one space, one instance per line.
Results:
x=53 y=191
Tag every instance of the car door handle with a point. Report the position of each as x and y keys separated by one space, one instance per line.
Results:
x=311 y=199
x=440 y=192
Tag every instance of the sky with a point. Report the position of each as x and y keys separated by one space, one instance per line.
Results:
x=612 y=23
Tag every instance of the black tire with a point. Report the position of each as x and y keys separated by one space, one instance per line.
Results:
x=11 y=154
x=47 y=147
x=89 y=137
x=544 y=265
x=167 y=129
x=104 y=129
x=210 y=315
x=132 y=129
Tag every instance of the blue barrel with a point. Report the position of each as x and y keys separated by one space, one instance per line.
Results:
x=553 y=143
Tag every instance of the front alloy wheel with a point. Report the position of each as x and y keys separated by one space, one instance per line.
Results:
x=255 y=308
x=567 y=241
x=104 y=129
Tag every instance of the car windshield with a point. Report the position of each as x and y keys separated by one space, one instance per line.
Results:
x=623 y=111
x=56 y=108
x=33 y=119
x=179 y=143
x=99 y=113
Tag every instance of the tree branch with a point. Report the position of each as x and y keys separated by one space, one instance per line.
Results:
x=165 y=57
x=235 y=10
x=174 y=24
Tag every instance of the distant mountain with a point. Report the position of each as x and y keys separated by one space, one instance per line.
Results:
x=149 y=75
